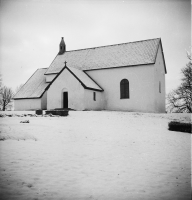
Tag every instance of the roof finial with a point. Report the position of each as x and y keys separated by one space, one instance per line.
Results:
x=65 y=63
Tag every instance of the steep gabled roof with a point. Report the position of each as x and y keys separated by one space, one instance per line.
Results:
x=84 y=79
x=34 y=87
x=119 y=55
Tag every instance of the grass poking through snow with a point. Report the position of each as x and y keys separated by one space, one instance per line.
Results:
x=10 y=136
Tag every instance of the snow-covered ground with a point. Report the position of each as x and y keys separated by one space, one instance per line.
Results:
x=95 y=155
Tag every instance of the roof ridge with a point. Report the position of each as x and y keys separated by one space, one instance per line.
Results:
x=79 y=79
x=112 y=45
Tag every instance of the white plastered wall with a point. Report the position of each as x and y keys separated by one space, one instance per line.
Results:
x=141 y=84
x=44 y=101
x=159 y=82
x=90 y=104
x=27 y=104
x=66 y=82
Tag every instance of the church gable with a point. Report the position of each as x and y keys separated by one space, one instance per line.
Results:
x=86 y=81
x=75 y=83
x=65 y=83
x=162 y=56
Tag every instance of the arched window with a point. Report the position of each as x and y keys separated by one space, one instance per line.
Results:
x=124 y=88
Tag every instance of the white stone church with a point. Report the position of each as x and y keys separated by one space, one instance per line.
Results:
x=122 y=77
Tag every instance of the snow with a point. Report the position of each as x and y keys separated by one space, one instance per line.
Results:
x=34 y=87
x=117 y=55
x=95 y=155
x=87 y=81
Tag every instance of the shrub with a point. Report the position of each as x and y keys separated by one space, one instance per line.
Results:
x=180 y=126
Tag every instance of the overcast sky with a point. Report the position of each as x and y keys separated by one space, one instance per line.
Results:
x=31 y=30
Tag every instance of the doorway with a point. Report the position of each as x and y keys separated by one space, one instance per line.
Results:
x=65 y=99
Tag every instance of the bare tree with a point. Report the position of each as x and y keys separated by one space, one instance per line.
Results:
x=1 y=83
x=6 y=94
x=180 y=99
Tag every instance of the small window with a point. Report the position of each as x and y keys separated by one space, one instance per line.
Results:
x=159 y=87
x=124 y=89
x=94 y=96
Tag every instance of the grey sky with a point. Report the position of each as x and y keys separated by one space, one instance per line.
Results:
x=30 y=31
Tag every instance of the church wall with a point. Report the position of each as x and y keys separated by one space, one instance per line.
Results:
x=66 y=82
x=44 y=101
x=27 y=104
x=50 y=77
x=159 y=89
x=90 y=104
x=141 y=85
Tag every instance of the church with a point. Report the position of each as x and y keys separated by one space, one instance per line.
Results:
x=120 y=77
